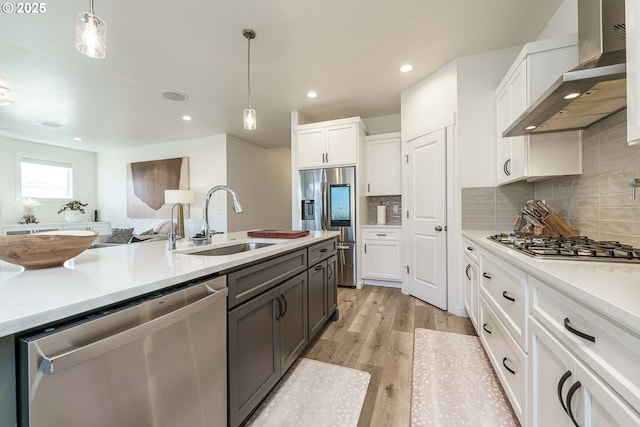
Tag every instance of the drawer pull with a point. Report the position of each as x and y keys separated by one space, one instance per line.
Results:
x=563 y=379
x=577 y=332
x=381 y=234
x=319 y=267
x=323 y=250
x=469 y=248
x=484 y=326
x=572 y=391
x=504 y=363
x=486 y=275
x=506 y=296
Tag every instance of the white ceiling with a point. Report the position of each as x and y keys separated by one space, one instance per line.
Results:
x=349 y=51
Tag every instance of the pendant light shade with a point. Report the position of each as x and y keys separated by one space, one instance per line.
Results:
x=249 y=114
x=91 y=34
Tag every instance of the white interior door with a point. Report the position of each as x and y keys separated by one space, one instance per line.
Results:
x=426 y=183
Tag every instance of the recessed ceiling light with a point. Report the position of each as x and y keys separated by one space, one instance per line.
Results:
x=77 y=138
x=186 y=118
x=174 y=95
x=49 y=124
x=572 y=95
x=312 y=94
x=406 y=68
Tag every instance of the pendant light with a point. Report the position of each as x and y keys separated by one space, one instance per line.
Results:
x=91 y=34
x=249 y=114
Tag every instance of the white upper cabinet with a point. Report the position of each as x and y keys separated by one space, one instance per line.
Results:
x=384 y=174
x=632 y=11
x=331 y=143
x=537 y=66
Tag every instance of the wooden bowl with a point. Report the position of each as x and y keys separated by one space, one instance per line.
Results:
x=44 y=250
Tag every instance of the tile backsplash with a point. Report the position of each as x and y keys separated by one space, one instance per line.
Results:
x=493 y=208
x=597 y=203
x=389 y=201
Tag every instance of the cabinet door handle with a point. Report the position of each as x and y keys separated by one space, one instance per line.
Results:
x=563 y=379
x=279 y=312
x=572 y=391
x=509 y=167
x=574 y=331
x=327 y=157
x=504 y=363
x=504 y=168
x=484 y=327
x=329 y=271
x=469 y=248
x=365 y=248
x=368 y=188
x=284 y=301
x=381 y=234
x=507 y=297
x=486 y=276
x=466 y=271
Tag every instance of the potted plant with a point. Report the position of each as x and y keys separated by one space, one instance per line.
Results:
x=73 y=210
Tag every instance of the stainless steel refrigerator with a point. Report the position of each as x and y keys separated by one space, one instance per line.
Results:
x=328 y=198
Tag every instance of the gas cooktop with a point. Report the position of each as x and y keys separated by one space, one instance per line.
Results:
x=569 y=248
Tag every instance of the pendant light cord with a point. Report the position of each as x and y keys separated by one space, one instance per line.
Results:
x=91 y=8
x=248 y=69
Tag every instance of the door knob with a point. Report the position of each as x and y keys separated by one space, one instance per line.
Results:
x=438 y=228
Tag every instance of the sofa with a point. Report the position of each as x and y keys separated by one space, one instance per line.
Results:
x=126 y=236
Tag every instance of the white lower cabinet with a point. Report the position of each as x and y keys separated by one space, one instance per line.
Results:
x=564 y=392
x=471 y=284
x=507 y=358
x=381 y=257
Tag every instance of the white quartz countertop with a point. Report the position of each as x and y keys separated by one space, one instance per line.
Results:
x=612 y=289
x=382 y=226
x=103 y=276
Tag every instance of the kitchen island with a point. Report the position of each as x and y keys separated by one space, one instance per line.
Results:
x=102 y=277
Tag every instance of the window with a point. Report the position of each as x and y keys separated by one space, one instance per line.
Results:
x=44 y=179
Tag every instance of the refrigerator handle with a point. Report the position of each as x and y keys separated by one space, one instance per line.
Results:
x=325 y=203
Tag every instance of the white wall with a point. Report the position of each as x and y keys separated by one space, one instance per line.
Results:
x=563 y=22
x=84 y=179
x=428 y=101
x=382 y=124
x=262 y=180
x=207 y=167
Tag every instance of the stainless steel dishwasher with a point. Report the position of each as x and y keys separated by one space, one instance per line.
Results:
x=157 y=361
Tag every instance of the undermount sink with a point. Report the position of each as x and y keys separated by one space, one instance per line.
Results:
x=232 y=249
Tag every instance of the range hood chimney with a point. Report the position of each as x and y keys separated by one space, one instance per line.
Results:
x=595 y=89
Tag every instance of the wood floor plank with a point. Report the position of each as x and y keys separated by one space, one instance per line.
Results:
x=393 y=402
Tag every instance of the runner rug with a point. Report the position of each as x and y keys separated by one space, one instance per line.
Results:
x=454 y=383
x=313 y=394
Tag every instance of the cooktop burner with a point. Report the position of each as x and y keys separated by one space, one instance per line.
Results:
x=574 y=248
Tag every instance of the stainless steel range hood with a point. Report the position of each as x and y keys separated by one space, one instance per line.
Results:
x=593 y=90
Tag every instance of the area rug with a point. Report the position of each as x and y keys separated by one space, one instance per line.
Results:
x=454 y=383
x=313 y=394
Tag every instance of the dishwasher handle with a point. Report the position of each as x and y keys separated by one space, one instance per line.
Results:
x=52 y=365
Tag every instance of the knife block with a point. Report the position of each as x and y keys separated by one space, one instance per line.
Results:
x=557 y=226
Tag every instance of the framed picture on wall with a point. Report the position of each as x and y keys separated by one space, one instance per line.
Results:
x=146 y=182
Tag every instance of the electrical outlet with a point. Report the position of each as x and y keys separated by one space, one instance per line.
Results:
x=395 y=208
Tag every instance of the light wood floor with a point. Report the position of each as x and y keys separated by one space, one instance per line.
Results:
x=375 y=334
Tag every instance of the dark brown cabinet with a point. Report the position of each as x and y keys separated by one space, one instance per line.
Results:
x=266 y=335
x=275 y=307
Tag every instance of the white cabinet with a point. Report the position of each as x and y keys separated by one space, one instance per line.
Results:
x=537 y=66
x=471 y=282
x=100 y=227
x=384 y=172
x=381 y=258
x=332 y=143
x=632 y=13
x=564 y=392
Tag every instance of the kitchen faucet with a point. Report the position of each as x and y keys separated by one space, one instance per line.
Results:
x=206 y=232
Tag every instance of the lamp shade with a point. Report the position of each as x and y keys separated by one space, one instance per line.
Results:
x=178 y=196
x=91 y=35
